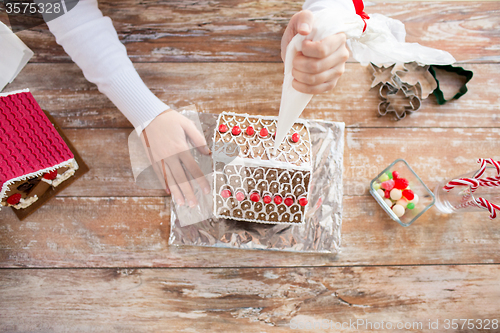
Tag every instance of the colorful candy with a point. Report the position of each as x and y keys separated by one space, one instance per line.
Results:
x=402 y=202
x=225 y=193
x=415 y=199
x=383 y=178
x=278 y=200
x=255 y=197
x=388 y=185
x=263 y=132
x=289 y=201
x=396 y=194
x=223 y=128
x=395 y=191
x=401 y=183
x=267 y=199
x=398 y=210
x=295 y=137
x=303 y=201
x=14 y=199
x=249 y=130
x=50 y=175
x=408 y=194
x=240 y=196
x=236 y=130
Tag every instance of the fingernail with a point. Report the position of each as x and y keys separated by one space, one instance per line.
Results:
x=206 y=190
x=180 y=202
x=304 y=27
x=168 y=191
x=192 y=203
x=206 y=151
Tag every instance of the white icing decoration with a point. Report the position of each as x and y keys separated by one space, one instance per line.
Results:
x=261 y=212
x=23 y=203
x=70 y=164
x=259 y=170
x=14 y=92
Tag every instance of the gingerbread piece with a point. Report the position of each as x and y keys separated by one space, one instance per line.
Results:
x=271 y=183
x=33 y=156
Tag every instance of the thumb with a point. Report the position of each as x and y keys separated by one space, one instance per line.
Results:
x=300 y=23
x=303 y=22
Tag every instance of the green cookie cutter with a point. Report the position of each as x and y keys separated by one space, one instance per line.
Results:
x=449 y=68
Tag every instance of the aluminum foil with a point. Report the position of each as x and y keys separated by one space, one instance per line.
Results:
x=321 y=230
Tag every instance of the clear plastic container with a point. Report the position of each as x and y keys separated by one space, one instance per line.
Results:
x=412 y=209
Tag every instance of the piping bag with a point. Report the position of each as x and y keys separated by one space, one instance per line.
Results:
x=382 y=42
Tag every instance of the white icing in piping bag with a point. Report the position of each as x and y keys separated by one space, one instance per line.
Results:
x=382 y=43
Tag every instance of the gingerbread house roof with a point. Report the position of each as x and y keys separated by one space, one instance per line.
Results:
x=29 y=143
x=261 y=147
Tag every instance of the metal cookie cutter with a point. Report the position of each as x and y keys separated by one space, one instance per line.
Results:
x=393 y=100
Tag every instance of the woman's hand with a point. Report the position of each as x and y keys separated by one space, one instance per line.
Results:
x=166 y=137
x=320 y=64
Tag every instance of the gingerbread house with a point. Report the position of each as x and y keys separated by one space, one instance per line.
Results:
x=252 y=181
x=33 y=156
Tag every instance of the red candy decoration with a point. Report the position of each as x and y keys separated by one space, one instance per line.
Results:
x=236 y=130
x=223 y=128
x=255 y=197
x=401 y=183
x=387 y=194
x=303 y=201
x=250 y=130
x=295 y=137
x=267 y=199
x=408 y=194
x=240 y=196
x=50 y=175
x=395 y=175
x=225 y=193
x=263 y=132
x=278 y=200
x=289 y=201
x=14 y=199
x=388 y=184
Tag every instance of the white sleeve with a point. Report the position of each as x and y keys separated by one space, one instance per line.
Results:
x=92 y=42
x=317 y=5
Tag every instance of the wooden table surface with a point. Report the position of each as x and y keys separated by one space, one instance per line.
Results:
x=96 y=258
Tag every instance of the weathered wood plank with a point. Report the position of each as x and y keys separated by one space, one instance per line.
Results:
x=254 y=89
x=250 y=30
x=367 y=152
x=243 y=300
x=133 y=232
